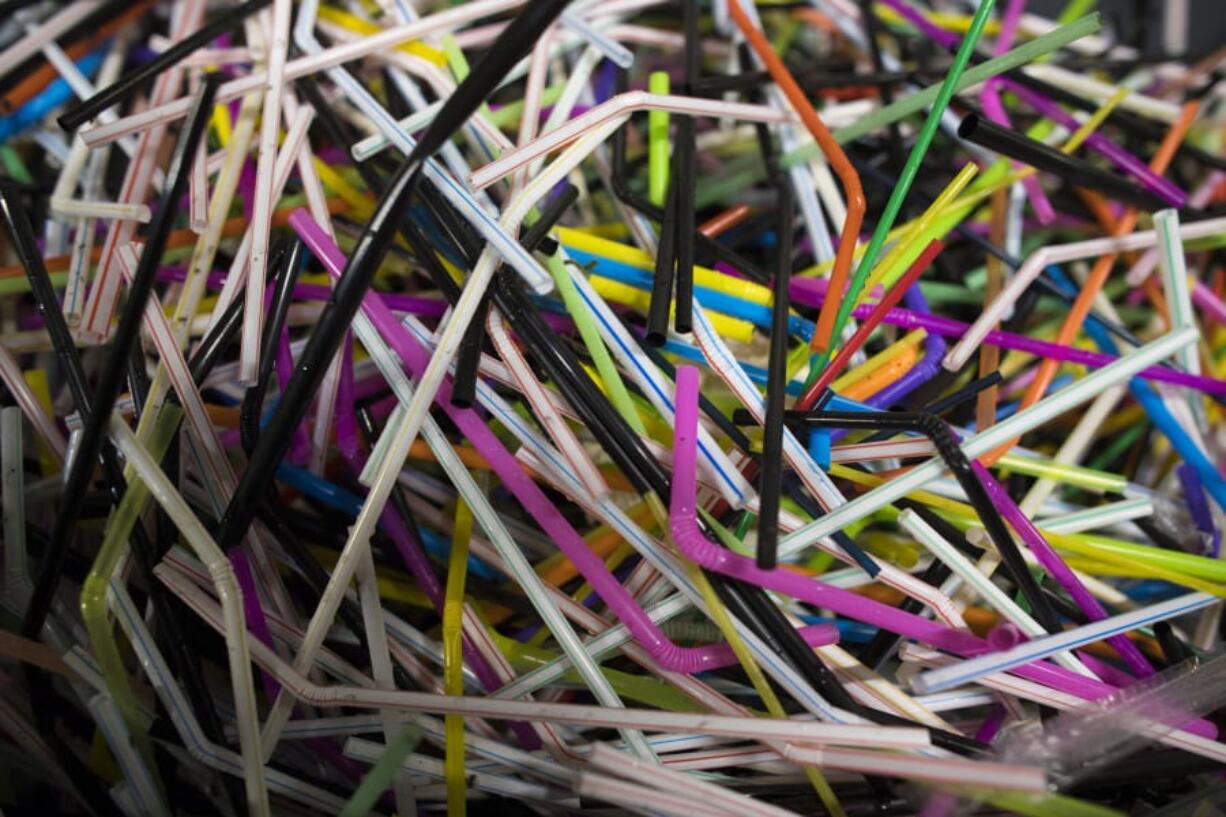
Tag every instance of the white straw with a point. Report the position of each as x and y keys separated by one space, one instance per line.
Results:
x=1040 y=648
x=1056 y=254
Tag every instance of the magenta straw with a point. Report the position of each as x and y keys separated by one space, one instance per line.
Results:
x=1055 y=566
x=694 y=544
x=669 y=655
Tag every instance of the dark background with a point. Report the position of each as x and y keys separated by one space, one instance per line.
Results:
x=1206 y=32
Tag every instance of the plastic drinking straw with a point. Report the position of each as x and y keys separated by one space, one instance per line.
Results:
x=691 y=543
x=943 y=550
x=989 y=774
x=51 y=28
x=1037 y=649
x=147 y=798
x=1178 y=297
x=1102 y=516
x=611 y=513
x=304 y=66
x=103 y=295
x=578 y=714
x=745 y=658
x=617 y=108
x=1050 y=254
x=16 y=575
x=885 y=274
x=270 y=124
x=658 y=142
x=350 y=291
x=11 y=376
x=595 y=573
x=910 y=170
x=870 y=323
x=1038 y=155
x=174 y=55
x=364 y=797
x=771 y=485
x=200 y=748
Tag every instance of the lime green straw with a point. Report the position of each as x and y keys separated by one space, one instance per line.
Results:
x=911 y=168
x=657 y=143
x=93 y=591
x=511 y=113
x=1075 y=9
x=21 y=285
x=619 y=395
x=379 y=778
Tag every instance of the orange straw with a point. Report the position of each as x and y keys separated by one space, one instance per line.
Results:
x=834 y=154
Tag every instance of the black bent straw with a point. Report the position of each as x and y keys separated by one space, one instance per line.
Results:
x=124 y=87
x=93 y=434
x=514 y=41
x=934 y=429
x=770 y=483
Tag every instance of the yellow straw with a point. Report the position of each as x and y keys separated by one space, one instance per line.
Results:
x=453 y=659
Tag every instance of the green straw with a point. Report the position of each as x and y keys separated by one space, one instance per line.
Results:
x=21 y=285
x=93 y=591
x=379 y=778
x=911 y=168
x=14 y=166
x=658 y=146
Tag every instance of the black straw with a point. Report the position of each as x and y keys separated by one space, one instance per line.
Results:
x=124 y=87
x=770 y=485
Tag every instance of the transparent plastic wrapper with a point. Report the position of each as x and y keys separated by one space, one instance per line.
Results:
x=1077 y=743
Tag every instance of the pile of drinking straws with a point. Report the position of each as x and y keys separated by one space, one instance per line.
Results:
x=541 y=407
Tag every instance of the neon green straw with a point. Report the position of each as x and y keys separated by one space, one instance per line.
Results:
x=619 y=395
x=911 y=168
x=657 y=143
x=1075 y=9
x=510 y=114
